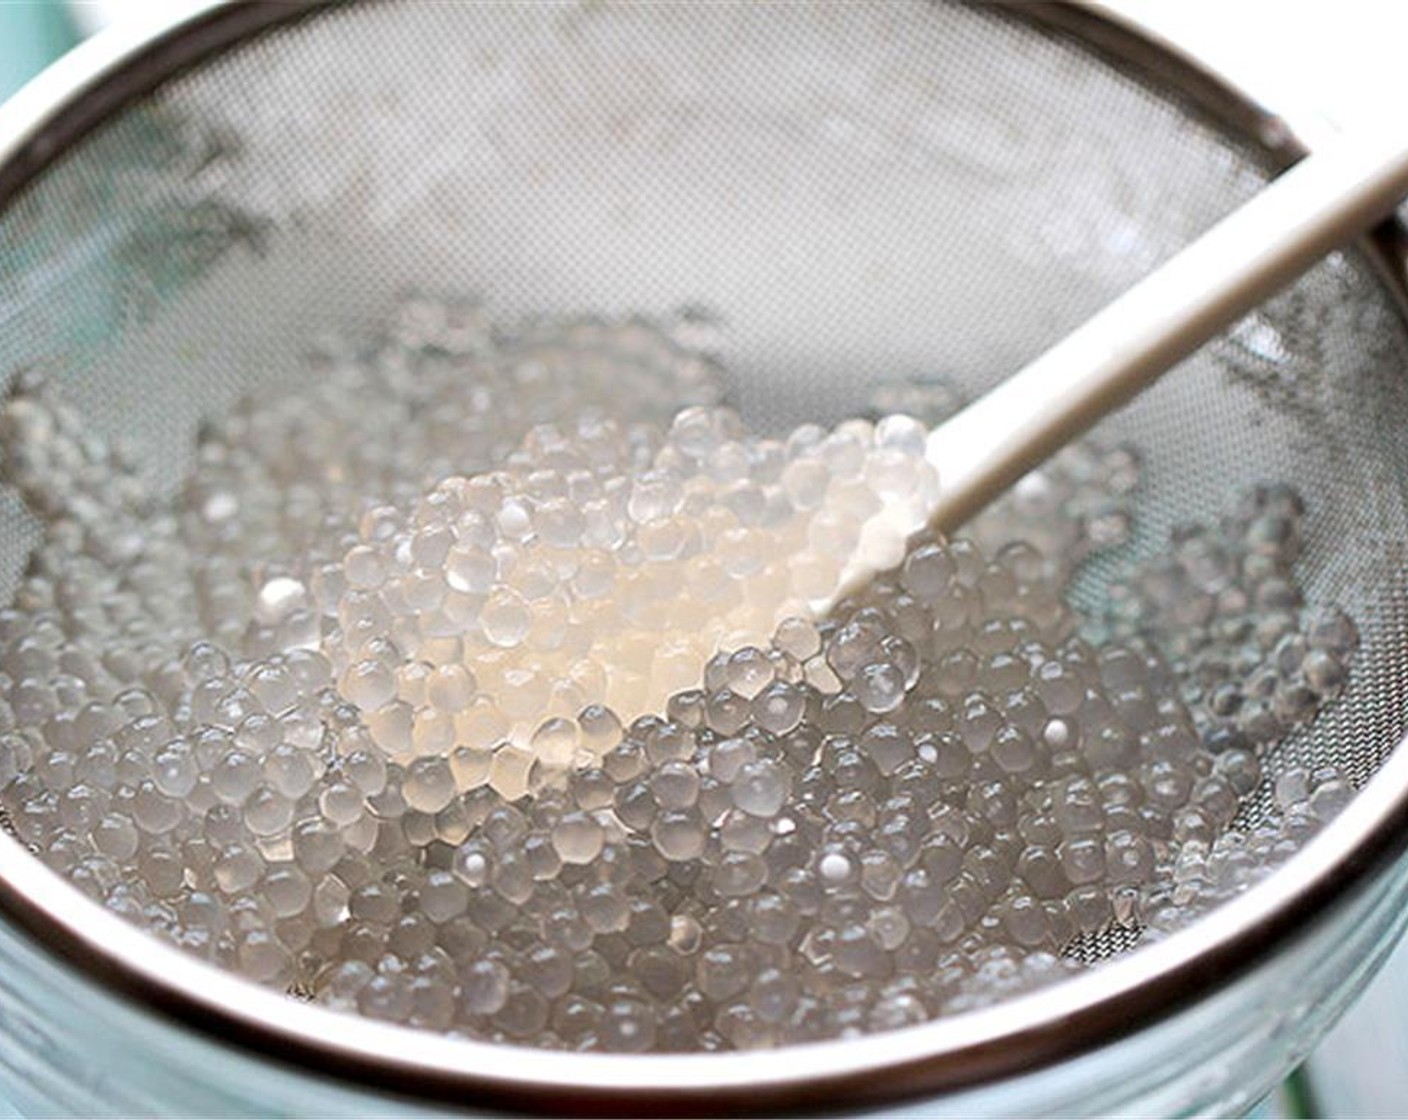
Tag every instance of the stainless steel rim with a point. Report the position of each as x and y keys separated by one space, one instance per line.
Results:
x=946 y=1055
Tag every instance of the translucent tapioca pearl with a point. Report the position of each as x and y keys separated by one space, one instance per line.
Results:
x=888 y=746
x=727 y=757
x=509 y=772
x=798 y=638
x=428 y=784
x=268 y=813
x=238 y=868
x=879 y=687
x=1057 y=688
x=578 y=837
x=713 y=801
x=591 y=788
x=505 y=618
x=739 y=875
x=1215 y=797
x=760 y=788
x=603 y=909
x=979 y=721
x=175 y=769
x=880 y=874
x=365 y=768
x=1129 y=858
x=1324 y=672
x=235 y=776
x=842 y=714
x=779 y=707
x=675 y=785
x=340 y=985
x=1329 y=798
x=747 y=672
x=679 y=834
x=820 y=676
x=287 y=889
x=726 y=712
x=371 y=683
x=116 y=837
x=1331 y=630
x=853 y=646
x=317 y=846
x=1024 y=921
x=626 y=761
x=154 y=813
x=627 y=1026
x=742 y=832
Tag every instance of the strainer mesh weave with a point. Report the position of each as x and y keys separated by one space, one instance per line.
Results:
x=861 y=191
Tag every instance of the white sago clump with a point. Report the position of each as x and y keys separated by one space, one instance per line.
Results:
x=601 y=564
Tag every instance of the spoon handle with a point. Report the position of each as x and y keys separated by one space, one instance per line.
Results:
x=1321 y=202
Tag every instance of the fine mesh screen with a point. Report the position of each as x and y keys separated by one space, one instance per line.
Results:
x=860 y=191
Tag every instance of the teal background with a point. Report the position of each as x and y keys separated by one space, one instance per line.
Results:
x=32 y=32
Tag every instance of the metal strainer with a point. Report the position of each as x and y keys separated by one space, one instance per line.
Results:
x=862 y=191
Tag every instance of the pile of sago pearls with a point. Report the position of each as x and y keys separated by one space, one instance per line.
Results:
x=471 y=684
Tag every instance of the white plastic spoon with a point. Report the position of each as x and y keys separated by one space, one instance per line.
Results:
x=1323 y=201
